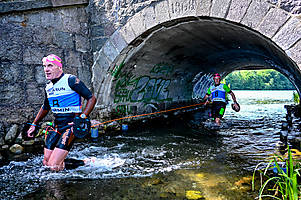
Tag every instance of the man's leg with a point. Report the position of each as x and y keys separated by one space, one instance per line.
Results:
x=218 y=121
x=56 y=160
x=60 y=152
x=51 y=138
x=219 y=112
x=47 y=154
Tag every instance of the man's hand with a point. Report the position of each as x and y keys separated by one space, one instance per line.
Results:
x=207 y=102
x=31 y=131
x=236 y=106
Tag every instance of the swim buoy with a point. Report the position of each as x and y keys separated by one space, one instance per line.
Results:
x=237 y=109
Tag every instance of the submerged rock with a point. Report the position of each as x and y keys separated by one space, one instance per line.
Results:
x=16 y=149
x=28 y=142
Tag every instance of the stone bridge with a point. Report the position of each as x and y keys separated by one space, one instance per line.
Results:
x=141 y=56
x=166 y=53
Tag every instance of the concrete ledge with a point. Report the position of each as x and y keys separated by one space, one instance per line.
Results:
x=8 y=7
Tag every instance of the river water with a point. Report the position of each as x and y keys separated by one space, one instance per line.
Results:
x=175 y=162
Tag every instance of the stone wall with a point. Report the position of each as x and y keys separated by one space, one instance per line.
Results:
x=109 y=15
x=29 y=31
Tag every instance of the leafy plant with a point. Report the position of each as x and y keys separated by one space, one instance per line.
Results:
x=284 y=184
x=296 y=97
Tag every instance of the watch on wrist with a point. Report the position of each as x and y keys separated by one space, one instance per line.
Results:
x=83 y=116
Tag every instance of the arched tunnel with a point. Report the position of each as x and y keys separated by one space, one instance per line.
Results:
x=174 y=61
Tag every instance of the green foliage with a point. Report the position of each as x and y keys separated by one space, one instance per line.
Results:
x=296 y=97
x=267 y=79
x=284 y=185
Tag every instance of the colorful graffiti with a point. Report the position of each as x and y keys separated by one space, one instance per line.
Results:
x=146 y=89
x=115 y=72
x=200 y=88
x=150 y=89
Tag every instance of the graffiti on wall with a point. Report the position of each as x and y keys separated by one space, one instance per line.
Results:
x=201 y=86
x=146 y=89
x=150 y=89
x=162 y=69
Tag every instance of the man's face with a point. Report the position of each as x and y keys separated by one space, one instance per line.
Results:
x=52 y=71
x=217 y=80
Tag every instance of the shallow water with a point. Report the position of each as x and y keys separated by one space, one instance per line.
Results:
x=175 y=162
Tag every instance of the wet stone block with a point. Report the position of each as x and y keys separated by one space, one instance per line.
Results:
x=110 y=51
x=289 y=34
x=118 y=41
x=219 y=8
x=237 y=10
x=272 y=22
x=127 y=33
x=137 y=24
x=255 y=13
x=203 y=8
x=161 y=11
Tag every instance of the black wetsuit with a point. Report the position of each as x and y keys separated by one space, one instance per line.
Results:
x=218 y=93
x=60 y=135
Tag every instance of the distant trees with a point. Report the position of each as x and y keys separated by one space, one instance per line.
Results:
x=267 y=79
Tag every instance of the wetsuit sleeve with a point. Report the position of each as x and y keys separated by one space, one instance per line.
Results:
x=46 y=105
x=226 y=88
x=79 y=87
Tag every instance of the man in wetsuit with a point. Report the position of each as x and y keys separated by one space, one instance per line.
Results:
x=63 y=95
x=218 y=94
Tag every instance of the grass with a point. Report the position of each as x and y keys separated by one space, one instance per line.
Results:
x=284 y=184
x=270 y=101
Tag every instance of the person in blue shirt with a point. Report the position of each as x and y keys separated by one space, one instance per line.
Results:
x=218 y=96
x=63 y=95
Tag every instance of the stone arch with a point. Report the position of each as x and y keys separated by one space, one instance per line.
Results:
x=275 y=37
